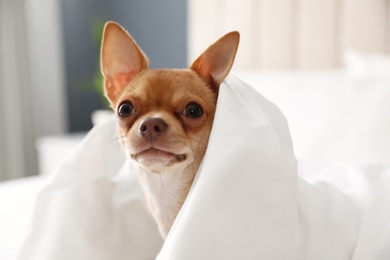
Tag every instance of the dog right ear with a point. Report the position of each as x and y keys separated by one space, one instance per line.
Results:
x=121 y=60
x=214 y=64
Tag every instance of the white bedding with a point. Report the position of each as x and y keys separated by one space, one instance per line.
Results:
x=334 y=116
x=248 y=200
x=17 y=200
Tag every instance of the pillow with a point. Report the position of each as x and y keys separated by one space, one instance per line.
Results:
x=367 y=64
x=332 y=116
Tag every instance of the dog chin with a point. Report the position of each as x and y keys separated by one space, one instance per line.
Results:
x=157 y=159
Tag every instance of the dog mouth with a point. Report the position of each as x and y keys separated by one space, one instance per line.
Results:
x=153 y=156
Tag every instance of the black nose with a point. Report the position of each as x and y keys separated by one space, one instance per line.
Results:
x=152 y=127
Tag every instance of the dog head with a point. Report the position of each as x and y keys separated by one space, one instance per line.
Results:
x=164 y=116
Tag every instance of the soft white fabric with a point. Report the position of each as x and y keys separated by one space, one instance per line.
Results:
x=93 y=209
x=333 y=117
x=247 y=201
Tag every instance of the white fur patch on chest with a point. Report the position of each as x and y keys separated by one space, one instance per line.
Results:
x=165 y=193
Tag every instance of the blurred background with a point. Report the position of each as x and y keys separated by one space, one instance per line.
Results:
x=50 y=80
x=50 y=83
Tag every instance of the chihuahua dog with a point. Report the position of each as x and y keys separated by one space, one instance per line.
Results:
x=164 y=116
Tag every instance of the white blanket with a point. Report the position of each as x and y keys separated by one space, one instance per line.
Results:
x=247 y=202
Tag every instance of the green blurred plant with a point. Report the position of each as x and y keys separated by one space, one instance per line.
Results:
x=97 y=27
x=96 y=84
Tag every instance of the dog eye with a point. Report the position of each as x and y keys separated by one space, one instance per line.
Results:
x=125 y=109
x=193 y=111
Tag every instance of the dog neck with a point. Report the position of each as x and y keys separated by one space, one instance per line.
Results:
x=165 y=192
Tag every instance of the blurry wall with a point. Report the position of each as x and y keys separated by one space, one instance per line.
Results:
x=159 y=27
x=32 y=100
x=82 y=59
x=291 y=34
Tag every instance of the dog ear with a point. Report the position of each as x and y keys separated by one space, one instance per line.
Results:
x=120 y=60
x=214 y=64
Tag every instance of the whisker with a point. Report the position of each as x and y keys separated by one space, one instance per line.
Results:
x=195 y=150
x=115 y=141
x=189 y=138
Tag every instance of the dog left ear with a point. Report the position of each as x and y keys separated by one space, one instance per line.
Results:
x=120 y=61
x=214 y=64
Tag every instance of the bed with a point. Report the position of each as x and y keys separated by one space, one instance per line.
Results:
x=335 y=102
x=17 y=200
x=345 y=130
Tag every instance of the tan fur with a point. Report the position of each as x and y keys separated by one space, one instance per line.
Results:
x=167 y=163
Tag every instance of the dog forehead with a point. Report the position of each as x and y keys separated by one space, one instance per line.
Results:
x=164 y=85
